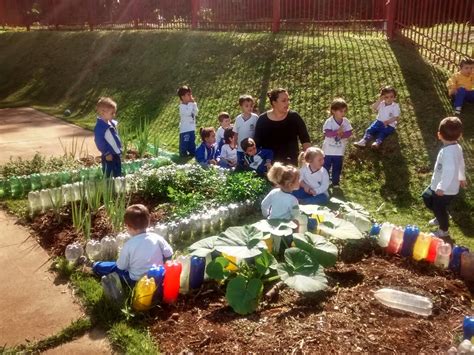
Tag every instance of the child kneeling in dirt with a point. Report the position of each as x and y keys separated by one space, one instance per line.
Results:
x=139 y=253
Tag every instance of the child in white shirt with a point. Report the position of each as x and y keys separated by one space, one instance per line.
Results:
x=386 y=121
x=314 y=179
x=337 y=130
x=449 y=174
x=188 y=111
x=280 y=203
x=244 y=126
x=224 y=120
x=229 y=150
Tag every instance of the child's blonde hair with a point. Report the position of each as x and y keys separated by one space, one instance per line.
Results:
x=308 y=155
x=106 y=102
x=283 y=175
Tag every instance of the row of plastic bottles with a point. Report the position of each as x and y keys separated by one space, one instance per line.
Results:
x=410 y=242
x=106 y=249
x=467 y=345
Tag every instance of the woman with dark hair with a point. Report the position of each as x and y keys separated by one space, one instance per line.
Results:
x=279 y=129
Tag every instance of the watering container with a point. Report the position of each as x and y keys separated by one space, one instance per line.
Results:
x=143 y=295
x=409 y=240
x=385 y=234
x=433 y=249
x=404 y=301
x=396 y=240
x=112 y=287
x=196 y=274
x=184 y=277
x=468 y=328
x=93 y=248
x=467 y=266
x=73 y=252
x=421 y=247
x=455 y=262
x=375 y=230
x=158 y=273
x=171 y=281
x=443 y=254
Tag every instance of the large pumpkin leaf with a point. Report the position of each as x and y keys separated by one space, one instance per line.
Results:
x=244 y=295
x=299 y=261
x=320 y=250
x=354 y=213
x=310 y=283
x=264 y=261
x=241 y=242
x=279 y=227
x=316 y=209
x=336 y=228
x=203 y=247
x=216 y=269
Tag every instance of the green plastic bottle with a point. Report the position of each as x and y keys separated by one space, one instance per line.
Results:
x=25 y=184
x=15 y=187
x=36 y=182
x=2 y=188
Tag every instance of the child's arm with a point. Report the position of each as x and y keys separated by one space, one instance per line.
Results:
x=307 y=188
x=123 y=261
x=393 y=119
x=266 y=204
x=200 y=154
x=376 y=104
x=462 y=173
x=447 y=175
x=452 y=84
x=166 y=249
x=324 y=184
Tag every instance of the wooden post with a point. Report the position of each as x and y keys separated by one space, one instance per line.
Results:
x=276 y=16
x=194 y=14
x=391 y=18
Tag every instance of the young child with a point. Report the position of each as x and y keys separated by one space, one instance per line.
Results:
x=188 y=111
x=139 y=253
x=106 y=137
x=244 y=126
x=314 y=179
x=224 y=120
x=208 y=153
x=386 y=121
x=229 y=150
x=280 y=203
x=337 y=129
x=448 y=174
x=461 y=85
x=258 y=160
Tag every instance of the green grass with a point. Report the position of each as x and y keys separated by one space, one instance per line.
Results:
x=53 y=71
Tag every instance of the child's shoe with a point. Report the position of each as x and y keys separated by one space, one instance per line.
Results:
x=362 y=143
x=441 y=233
x=376 y=145
x=433 y=222
x=457 y=111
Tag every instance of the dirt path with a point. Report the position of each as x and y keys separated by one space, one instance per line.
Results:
x=25 y=131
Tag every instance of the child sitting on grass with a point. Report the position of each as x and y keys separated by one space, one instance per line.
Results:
x=224 y=120
x=280 y=203
x=208 y=153
x=388 y=113
x=314 y=179
x=448 y=174
x=461 y=85
x=258 y=160
x=188 y=111
x=140 y=253
x=245 y=124
x=229 y=150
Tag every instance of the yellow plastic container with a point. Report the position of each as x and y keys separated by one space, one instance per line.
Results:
x=319 y=219
x=232 y=264
x=269 y=242
x=422 y=245
x=143 y=296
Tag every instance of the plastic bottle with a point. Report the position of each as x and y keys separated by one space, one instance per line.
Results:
x=143 y=295
x=404 y=301
x=25 y=184
x=421 y=247
x=233 y=262
x=443 y=254
x=269 y=242
x=302 y=223
x=34 y=201
x=375 y=230
x=158 y=273
x=73 y=252
x=467 y=266
x=36 y=182
x=112 y=287
x=196 y=274
x=384 y=235
x=121 y=239
x=396 y=240
x=433 y=249
x=184 y=277
x=409 y=240
x=455 y=262
x=15 y=187
x=171 y=281
x=2 y=188
x=468 y=328
x=108 y=248
x=93 y=248
x=465 y=347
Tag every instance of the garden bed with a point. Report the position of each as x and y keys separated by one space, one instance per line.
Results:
x=346 y=318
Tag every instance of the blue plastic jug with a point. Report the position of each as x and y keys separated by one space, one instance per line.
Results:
x=196 y=274
x=158 y=273
x=468 y=328
x=409 y=240
x=375 y=230
x=455 y=262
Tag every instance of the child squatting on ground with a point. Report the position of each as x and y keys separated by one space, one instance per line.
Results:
x=258 y=160
x=140 y=253
x=106 y=137
x=314 y=179
x=448 y=174
x=461 y=85
x=244 y=126
x=224 y=121
x=280 y=203
x=337 y=129
x=229 y=150
x=388 y=113
x=208 y=153
x=188 y=111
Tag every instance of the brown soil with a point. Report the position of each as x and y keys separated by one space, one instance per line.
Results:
x=346 y=318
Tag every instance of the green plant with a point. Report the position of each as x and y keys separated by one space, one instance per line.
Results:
x=56 y=199
x=185 y=203
x=77 y=214
x=74 y=150
x=241 y=186
x=142 y=134
x=115 y=206
x=63 y=267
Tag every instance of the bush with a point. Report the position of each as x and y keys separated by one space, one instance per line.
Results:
x=38 y=164
x=242 y=186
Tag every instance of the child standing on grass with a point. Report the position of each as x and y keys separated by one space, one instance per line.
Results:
x=337 y=129
x=448 y=174
x=244 y=125
x=229 y=150
x=224 y=120
x=106 y=137
x=208 y=152
x=280 y=203
x=140 y=253
x=388 y=113
x=461 y=85
x=259 y=160
x=314 y=179
x=188 y=111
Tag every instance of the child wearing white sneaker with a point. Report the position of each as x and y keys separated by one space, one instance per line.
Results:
x=388 y=114
x=448 y=175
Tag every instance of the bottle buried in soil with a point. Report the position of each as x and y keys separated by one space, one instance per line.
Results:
x=196 y=274
x=112 y=287
x=185 y=261
x=455 y=263
x=385 y=233
x=433 y=249
x=467 y=266
x=409 y=240
x=171 y=281
x=442 y=255
x=73 y=252
x=422 y=245
x=404 y=301
x=396 y=240
x=468 y=328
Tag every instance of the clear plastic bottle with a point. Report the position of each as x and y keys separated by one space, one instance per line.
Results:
x=404 y=301
x=45 y=200
x=112 y=287
x=385 y=234
x=34 y=201
x=465 y=347
x=396 y=240
x=443 y=254
x=108 y=248
x=93 y=248
x=73 y=252
x=185 y=261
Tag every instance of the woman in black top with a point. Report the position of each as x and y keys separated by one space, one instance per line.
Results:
x=279 y=129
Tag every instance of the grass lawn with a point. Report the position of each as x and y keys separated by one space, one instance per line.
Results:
x=53 y=71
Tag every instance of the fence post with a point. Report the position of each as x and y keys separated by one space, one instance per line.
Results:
x=391 y=18
x=276 y=16
x=194 y=13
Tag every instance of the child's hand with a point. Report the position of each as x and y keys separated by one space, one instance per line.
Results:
x=312 y=192
x=340 y=132
x=463 y=184
x=213 y=162
x=109 y=157
x=268 y=165
x=440 y=192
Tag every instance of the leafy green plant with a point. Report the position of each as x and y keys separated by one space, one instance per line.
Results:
x=185 y=203
x=75 y=149
x=56 y=199
x=142 y=134
x=115 y=205
x=77 y=214
x=241 y=186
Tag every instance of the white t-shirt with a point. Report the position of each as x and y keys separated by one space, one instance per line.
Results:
x=335 y=145
x=317 y=180
x=279 y=205
x=220 y=134
x=228 y=153
x=245 y=128
x=449 y=170
x=386 y=112
x=187 y=115
x=141 y=252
